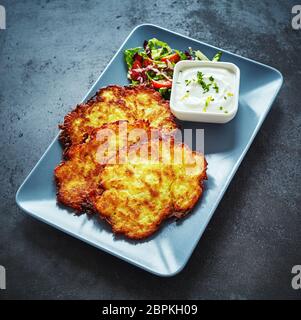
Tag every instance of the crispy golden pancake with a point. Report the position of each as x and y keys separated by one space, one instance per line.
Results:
x=160 y=179
x=116 y=103
x=117 y=166
x=80 y=173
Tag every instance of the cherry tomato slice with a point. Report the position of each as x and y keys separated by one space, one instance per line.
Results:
x=161 y=84
x=172 y=58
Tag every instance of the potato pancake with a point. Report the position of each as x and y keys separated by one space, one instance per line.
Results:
x=160 y=179
x=80 y=172
x=116 y=103
x=121 y=161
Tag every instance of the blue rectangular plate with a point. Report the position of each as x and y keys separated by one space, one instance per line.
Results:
x=167 y=251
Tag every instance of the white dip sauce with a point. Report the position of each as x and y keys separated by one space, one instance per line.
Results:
x=206 y=89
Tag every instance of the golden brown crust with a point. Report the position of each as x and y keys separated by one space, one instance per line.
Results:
x=116 y=103
x=80 y=172
x=135 y=196
x=138 y=196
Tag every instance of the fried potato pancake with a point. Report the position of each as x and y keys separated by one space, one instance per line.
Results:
x=121 y=161
x=116 y=103
x=80 y=173
x=160 y=179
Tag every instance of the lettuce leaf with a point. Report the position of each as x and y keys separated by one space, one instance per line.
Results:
x=129 y=56
x=165 y=93
x=181 y=54
x=158 y=48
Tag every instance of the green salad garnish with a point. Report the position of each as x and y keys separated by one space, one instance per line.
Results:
x=153 y=64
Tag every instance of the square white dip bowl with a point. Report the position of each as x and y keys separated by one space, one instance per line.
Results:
x=205 y=91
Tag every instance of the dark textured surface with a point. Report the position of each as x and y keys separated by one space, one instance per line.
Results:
x=51 y=53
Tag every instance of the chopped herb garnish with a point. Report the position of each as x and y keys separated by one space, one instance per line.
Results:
x=225 y=98
x=206 y=86
x=226 y=111
x=201 y=82
x=208 y=100
x=186 y=95
x=221 y=108
x=187 y=82
x=229 y=94
x=215 y=87
x=200 y=74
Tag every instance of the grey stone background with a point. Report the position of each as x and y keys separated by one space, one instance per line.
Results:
x=50 y=55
